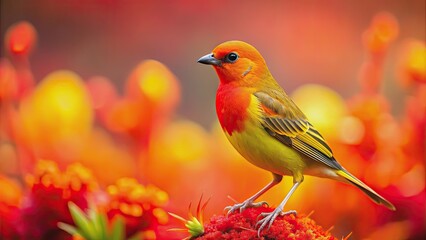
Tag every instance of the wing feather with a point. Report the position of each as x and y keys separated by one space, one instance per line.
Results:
x=286 y=122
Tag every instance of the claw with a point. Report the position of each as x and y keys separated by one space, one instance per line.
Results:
x=269 y=218
x=259 y=204
x=288 y=213
x=244 y=205
x=261 y=216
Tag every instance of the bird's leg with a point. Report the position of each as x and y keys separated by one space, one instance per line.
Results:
x=250 y=201
x=268 y=218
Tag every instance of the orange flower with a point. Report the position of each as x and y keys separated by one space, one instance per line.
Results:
x=140 y=205
x=382 y=31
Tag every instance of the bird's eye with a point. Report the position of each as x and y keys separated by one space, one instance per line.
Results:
x=232 y=57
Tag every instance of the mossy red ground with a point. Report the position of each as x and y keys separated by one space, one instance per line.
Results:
x=242 y=226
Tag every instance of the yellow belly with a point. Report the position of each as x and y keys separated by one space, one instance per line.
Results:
x=264 y=151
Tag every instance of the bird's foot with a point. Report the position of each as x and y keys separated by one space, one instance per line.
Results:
x=242 y=206
x=269 y=218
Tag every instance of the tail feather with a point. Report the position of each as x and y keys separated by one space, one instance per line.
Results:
x=366 y=189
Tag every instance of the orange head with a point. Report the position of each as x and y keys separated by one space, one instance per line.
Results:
x=236 y=61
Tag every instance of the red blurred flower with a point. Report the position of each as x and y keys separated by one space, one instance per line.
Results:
x=20 y=38
x=103 y=95
x=10 y=198
x=8 y=219
x=377 y=38
x=9 y=86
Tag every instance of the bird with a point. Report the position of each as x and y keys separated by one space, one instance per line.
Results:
x=268 y=129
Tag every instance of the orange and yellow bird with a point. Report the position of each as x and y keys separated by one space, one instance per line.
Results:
x=268 y=129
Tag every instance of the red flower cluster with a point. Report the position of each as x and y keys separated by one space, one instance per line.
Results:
x=47 y=202
x=242 y=226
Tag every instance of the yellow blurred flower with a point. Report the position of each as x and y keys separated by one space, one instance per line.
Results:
x=324 y=108
x=180 y=142
x=11 y=193
x=153 y=81
x=413 y=63
x=57 y=116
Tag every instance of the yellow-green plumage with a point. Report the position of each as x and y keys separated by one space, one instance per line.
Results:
x=274 y=156
x=262 y=150
x=366 y=189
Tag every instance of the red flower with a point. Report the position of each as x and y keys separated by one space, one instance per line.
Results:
x=242 y=226
x=47 y=201
x=10 y=198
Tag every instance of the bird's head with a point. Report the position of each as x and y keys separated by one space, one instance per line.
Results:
x=236 y=61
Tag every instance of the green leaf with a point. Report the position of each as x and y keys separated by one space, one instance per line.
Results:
x=102 y=222
x=117 y=232
x=68 y=228
x=93 y=223
x=82 y=222
x=195 y=228
x=99 y=221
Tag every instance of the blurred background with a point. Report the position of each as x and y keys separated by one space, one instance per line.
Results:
x=107 y=96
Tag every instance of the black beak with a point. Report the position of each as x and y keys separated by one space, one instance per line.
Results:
x=209 y=59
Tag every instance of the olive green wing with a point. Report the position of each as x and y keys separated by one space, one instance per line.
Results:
x=284 y=121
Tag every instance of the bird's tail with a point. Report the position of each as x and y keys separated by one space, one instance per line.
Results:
x=366 y=189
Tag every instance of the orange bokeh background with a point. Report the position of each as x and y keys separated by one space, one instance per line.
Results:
x=79 y=84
